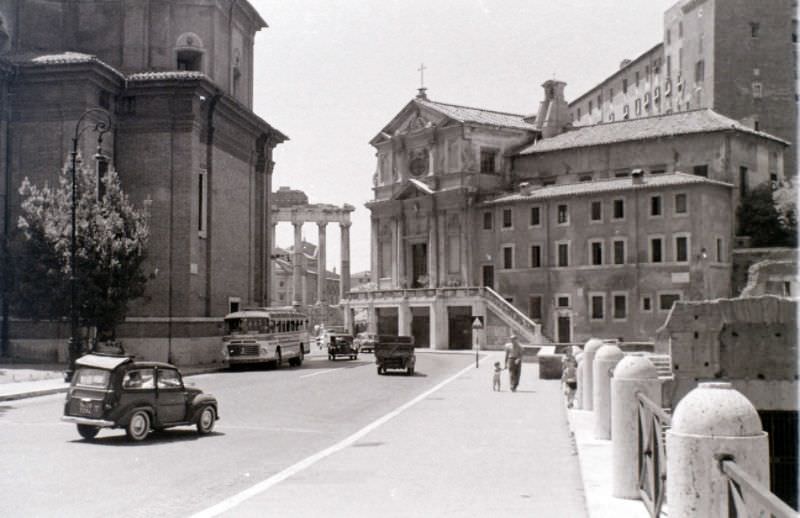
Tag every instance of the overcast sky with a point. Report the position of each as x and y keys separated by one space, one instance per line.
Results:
x=330 y=74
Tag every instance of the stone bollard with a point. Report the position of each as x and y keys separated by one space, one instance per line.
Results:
x=579 y=375
x=632 y=374
x=710 y=422
x=589 y=350
x=605 y=360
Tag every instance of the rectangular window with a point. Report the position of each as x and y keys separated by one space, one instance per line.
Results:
x=655 y=205
x=585 y=177
x=536 y=256
x=562 y=301
x=755 y=27
x=699 y=71
x=666 y=300
x=680 y=29
x=536 y=217
x=637 y=106
x=562 y=214
x=647 y=304
x=487 y=221
x=656 y=250
x=596 y=253
x=637 y=78
x=682 y=249
x=619 y=209
x=535 y=307
x=744 y=186
x=598 y=303
x=680 y=203
x=720 y=251
x=619 y=251
x=625 y=86
x=508 y=220
x=563 y=254
x=620 y=306
x=488 y=159
x=700 y=170
x=668 y=36
x=597 y=211
x=508 y=257
x=591 y=107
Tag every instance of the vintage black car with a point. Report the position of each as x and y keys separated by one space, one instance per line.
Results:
x=341 y=344
x=114 y=391
x=365 y=342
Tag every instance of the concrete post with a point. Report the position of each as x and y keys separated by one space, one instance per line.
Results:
x=321 y=262
x=297 y=264
x=589 y=350
x=632 y=374
x=710 y=422
x=404 y=318
x=344 y=270
x=605 y=360
x=577 y=404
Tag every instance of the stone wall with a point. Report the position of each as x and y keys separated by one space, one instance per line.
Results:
x=750 y=342
x=744 y=258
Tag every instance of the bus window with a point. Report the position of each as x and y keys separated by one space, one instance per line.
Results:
x=233 y=326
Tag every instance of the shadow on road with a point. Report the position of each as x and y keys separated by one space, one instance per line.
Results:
x=155 y=437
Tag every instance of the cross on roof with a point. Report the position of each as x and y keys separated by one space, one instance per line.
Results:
x=421 y=71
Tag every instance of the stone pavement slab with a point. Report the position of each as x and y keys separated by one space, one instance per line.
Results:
x=462 y=451
x=596 y=470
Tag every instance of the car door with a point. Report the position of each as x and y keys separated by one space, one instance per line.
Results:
x=170 y=396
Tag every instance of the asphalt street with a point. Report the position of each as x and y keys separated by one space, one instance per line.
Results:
x=270 y=420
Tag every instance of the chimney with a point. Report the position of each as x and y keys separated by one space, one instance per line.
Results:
x=624 y=63
x=637 y=176
x=553 y=114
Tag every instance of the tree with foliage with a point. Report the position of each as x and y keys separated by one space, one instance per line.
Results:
x=111 y=236
x=760 y=218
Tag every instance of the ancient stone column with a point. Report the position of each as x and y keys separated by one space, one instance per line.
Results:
x=633 y=374
x=271 y=296
x=712 y=422
x=321 y=263
x=589 y=350
x=297 y=264
x=344 y=279
x=605 y=360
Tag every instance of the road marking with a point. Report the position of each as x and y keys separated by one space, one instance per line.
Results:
x=320 y=372
x=266 y=484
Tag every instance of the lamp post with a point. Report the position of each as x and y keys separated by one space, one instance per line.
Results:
x=101 y=126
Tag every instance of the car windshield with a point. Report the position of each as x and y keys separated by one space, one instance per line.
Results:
x=89 y=377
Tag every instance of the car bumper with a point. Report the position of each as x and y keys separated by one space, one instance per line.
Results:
x=100 y=423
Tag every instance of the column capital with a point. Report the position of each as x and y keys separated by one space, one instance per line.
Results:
x=345 y=224
x=322 y=224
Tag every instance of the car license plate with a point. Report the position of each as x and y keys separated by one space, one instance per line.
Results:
x=85 y=407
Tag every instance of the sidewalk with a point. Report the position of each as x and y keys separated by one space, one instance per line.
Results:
x=459 y=451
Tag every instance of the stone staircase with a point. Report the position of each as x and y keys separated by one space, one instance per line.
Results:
x=529 y=331
x=662 y=362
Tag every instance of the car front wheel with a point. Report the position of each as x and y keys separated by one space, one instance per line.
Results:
x=205 y=422
x=138 y=426
x=88 y=432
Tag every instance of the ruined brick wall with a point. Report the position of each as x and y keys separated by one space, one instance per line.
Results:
x=751 y=342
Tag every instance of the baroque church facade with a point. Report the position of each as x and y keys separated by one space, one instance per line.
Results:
x=176 y=79
x=560 y=227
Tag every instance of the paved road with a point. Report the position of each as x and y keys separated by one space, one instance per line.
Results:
x=270 y=421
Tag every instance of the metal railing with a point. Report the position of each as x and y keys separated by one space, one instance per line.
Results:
x=653 y=422
x=744 y=488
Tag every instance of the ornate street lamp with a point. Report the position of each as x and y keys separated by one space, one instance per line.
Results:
x=101 y=126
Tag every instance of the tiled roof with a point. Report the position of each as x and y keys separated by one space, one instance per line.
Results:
x=478 y=116
x=601 y=186
x=170 y=75
x=681 y=123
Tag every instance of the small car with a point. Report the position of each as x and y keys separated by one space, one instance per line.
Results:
x=366 y=342
x=114 y=391
x=341 y=344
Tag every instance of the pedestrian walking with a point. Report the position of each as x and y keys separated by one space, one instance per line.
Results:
x=496 y=377
x=569 y=377
x=513 y=361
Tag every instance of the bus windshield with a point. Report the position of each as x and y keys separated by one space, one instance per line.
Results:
x=249 y=326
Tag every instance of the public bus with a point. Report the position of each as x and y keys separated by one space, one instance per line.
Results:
x=266 y=335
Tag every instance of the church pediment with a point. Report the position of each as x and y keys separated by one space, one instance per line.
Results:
x=413 y=118
x=413 y=189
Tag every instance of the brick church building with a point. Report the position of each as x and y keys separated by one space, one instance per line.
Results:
x=177 y=80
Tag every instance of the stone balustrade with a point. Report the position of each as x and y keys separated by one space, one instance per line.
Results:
x=709 y=458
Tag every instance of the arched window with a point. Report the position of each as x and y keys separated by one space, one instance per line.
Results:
x=189 y=52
